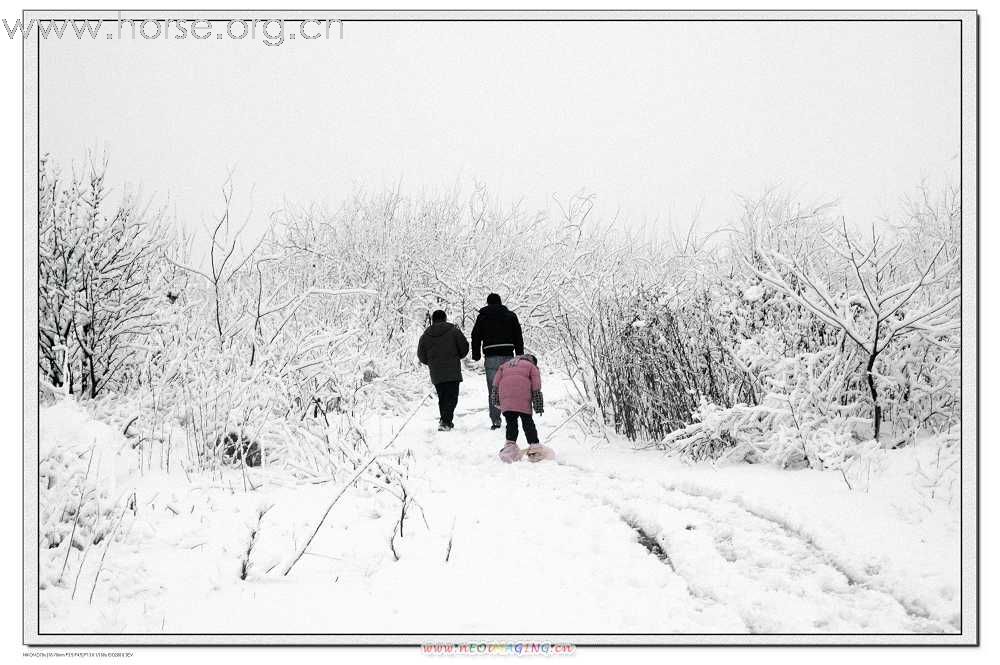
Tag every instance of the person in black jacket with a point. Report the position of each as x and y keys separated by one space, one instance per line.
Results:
x=441 y=347
x=498 y=332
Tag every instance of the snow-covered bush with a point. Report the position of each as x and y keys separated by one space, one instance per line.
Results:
x=99 y=277
x=790 y=341
x=769 y=432
x=76 y=504
x=879 y=292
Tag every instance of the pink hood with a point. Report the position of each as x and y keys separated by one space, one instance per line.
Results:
x=515 y=380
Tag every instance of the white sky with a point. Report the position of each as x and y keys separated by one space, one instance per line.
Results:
x=656 y=119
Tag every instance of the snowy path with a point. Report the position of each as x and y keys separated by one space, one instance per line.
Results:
x=587 y=544
x=599 y=551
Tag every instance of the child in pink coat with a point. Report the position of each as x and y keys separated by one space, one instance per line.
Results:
x=517 y=389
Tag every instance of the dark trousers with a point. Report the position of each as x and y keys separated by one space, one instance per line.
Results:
x=447 y=400
x=492 y=364
x=530 y=433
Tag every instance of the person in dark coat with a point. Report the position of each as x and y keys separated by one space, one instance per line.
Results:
x=497 y=336
x=441 y=348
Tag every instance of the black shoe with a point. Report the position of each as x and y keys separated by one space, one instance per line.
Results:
x=495 y=426
x=446 y=427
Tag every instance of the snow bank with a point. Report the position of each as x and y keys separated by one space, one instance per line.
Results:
x=68 y=431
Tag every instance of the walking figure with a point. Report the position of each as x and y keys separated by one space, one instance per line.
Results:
x=498 y=332
x=441 y=347
x=517 y=391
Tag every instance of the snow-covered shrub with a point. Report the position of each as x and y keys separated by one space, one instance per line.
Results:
x=789 y=341
x=418 y=255
x=653 y=363
x=99 y=277
x=884 y=294
x=74 y=501
x=769 y=432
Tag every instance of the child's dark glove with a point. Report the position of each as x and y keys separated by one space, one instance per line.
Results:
x=537 y=402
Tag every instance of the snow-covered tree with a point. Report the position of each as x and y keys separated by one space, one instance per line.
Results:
x=873 y=292
x=99 y=267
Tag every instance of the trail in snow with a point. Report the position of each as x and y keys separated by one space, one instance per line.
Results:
x=720 y=567
x=554 y=547
x=774 y=579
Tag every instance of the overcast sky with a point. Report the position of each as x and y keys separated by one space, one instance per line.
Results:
x=656 y=119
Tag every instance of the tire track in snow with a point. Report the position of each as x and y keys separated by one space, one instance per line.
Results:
x=649 y=542
x=916 y=610
x=920 y=621
x=684 y=558
x=735 y=582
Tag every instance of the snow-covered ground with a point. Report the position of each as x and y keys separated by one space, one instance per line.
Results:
x=604 y=540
